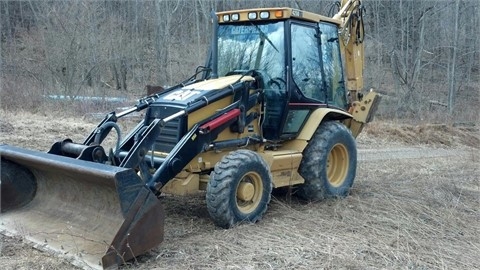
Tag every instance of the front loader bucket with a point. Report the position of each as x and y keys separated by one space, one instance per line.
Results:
x=96 y=214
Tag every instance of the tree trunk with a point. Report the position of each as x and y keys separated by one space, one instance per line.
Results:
x=452 y=64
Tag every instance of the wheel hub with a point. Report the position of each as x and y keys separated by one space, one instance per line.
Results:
x=245 y=191
x=337 y=165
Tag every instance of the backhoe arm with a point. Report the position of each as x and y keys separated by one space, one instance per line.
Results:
x=351 y=35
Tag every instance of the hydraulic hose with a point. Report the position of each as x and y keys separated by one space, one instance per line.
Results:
x=98 y=135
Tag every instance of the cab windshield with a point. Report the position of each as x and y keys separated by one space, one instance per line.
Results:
x=251 y=47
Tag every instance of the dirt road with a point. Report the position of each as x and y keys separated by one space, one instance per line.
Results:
x=413 y=205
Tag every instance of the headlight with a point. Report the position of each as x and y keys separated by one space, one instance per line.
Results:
x=264 y=15
x=252 y=15
x=235 y=17
x=226 y=18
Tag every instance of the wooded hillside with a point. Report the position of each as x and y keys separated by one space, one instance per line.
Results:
x=422 y=55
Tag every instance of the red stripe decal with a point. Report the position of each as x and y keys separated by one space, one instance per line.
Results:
x=220 y=120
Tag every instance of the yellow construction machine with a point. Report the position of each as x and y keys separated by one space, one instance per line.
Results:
x=278 y=104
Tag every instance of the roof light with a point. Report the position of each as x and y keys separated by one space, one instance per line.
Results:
x=252 y=15
x=235 y=17
x=226 y=17
x=264 y=15
x=279 y=14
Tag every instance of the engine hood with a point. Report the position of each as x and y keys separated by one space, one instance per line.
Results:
x=185 y=95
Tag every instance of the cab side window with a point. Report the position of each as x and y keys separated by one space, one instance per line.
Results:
x=306 y=68
x=332 y=65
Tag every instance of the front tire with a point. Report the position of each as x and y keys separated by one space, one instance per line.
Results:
x=329 y=163
x=239 y=189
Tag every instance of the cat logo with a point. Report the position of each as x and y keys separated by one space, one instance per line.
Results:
x=297 y=13
x=182 y=94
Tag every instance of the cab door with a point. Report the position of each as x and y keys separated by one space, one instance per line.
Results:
x=316 y=76
x=305 y=77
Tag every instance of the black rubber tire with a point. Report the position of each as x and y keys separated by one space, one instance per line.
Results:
x=239 y=189
x=329 y=163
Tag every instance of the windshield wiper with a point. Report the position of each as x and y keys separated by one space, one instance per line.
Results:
x=265 y=36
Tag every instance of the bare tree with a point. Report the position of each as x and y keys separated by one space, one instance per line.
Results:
x=417 y=51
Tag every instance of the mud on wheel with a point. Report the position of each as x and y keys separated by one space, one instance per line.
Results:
x=329 y=163
x=239 y=189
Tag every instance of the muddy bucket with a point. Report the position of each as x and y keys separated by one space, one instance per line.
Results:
x=96 y=214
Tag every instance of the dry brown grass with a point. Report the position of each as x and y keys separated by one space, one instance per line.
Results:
x=444 y=135
x=409 y=214
x=18 y=255
x=413 y=213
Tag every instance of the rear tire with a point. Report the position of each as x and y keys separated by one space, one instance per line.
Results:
x=329 y=163
x=239 y=189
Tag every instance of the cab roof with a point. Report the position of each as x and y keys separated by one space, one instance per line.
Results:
x=266 y=14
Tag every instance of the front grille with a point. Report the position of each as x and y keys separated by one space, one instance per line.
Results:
x=169 y=136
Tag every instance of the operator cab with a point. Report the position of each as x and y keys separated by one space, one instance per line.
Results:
x=295 y=58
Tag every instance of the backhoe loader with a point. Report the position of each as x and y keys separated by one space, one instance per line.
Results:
x=277 y=104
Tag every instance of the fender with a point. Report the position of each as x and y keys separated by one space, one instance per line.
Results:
x=311 y=125
x=317 y=117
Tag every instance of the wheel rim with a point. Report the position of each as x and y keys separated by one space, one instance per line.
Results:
x=337 y=165
x=249 y=192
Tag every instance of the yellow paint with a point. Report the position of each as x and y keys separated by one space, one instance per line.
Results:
x=362 y=112
x=188 y=184
x=317 y=117
x=284 y=166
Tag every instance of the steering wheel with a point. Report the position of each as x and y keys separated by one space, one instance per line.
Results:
x=277 y=82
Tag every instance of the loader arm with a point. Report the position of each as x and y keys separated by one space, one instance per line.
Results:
x=200 y=138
